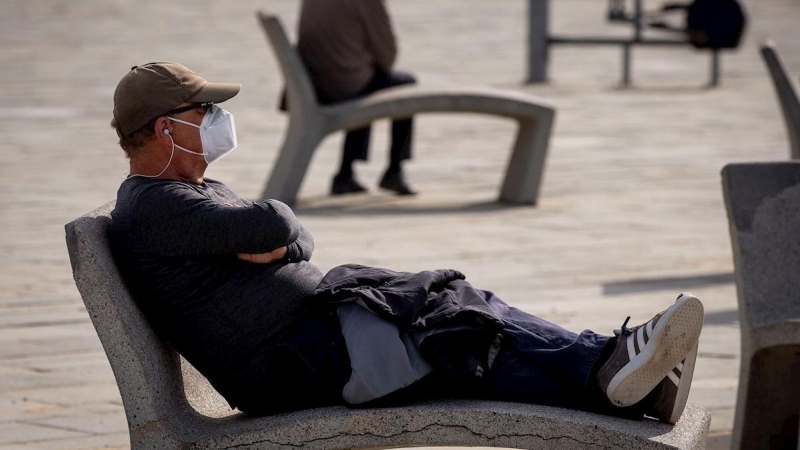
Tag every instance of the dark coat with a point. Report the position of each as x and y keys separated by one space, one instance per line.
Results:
x=450 y=320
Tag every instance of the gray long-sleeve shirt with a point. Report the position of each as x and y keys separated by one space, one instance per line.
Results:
x=342 y=41
x=176 y=243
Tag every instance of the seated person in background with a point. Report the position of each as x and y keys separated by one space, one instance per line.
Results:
x=229 y=284
x=349 y=49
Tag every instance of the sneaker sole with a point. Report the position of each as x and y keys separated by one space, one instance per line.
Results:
x=673 y=337
x=683 y=386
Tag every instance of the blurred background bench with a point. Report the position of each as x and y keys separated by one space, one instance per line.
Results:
x=709 y=24
x=310 y=122
x=787 y=93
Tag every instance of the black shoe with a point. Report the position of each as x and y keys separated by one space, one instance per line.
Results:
x=349 y=185
x=396 y=182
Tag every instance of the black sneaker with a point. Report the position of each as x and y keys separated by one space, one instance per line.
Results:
x=645 y=354
x=673 y=391
x=395 y=181
x=349 y=185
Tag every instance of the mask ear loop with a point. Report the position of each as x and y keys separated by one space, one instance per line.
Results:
x=128 y=175
x=202 y=153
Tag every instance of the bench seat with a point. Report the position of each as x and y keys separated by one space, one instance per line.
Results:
x=169 y=405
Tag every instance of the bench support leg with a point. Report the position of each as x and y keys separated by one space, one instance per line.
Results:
x=293 y=160
x=537 y=40
x=714 y=81
x=526 y=165
x=626 y=65
x=768 y=403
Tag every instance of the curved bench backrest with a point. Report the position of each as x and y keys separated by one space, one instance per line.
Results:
x=147 y=371
x=763 y=202
x=301 y=96
x=787 y=93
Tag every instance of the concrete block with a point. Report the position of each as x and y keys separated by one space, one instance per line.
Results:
x=763 y=202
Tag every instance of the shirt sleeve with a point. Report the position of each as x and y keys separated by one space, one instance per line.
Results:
x=302 y=248
x=379 y=34
x=178 y=221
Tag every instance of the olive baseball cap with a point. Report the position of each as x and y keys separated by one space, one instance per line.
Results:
x=153 y=89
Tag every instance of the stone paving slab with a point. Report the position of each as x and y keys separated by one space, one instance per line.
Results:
x=630 y=210
x=104 y=441
x=19 y=433
x=87 y=423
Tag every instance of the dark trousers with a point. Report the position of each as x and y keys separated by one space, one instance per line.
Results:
x=543 y=363
x=539 y=363
x=356 y=142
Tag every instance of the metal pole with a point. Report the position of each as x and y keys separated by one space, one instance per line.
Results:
x=626 y=64
x=714 y=68
x=637 y=21
x=537 y=40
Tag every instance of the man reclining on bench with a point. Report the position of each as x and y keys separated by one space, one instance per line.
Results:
x=228 y=283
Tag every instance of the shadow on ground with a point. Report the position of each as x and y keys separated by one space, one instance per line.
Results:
x=388 y=206
x=667 y=283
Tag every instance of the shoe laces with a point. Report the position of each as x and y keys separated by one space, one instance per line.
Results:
x=624 y=330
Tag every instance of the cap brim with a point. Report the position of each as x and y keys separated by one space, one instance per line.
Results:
x=215 y=93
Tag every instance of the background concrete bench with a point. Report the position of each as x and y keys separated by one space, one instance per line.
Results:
x=786 y=90
x=540 y=40
x=763 y=202
x=170 y=405
x=310 y=122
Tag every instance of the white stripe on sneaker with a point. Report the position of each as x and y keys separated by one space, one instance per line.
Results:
x=640 y=338
x=680 y=366
x=649 y=327
x=631 y=349
x=671 y=375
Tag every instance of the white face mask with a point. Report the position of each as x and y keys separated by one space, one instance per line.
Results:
x=217 y=134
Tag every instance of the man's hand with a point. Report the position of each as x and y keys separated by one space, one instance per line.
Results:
x=263 y=258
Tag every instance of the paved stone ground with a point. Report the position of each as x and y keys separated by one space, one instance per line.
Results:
x=630 y=212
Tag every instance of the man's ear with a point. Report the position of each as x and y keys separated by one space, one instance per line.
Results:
x=163 y=132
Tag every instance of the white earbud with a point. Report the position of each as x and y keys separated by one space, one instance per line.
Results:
x=165 y=131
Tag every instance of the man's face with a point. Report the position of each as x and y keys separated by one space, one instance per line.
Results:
x=188 y=137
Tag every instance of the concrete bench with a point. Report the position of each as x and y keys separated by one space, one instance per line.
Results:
x=310 y=122
x=763 y=202
x=787 y=92
x=170 y=405
x=540 y=40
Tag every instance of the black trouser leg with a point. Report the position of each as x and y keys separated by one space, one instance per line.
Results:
x=356 y=147
x=402 y=130
x=356 y=142
x=309 y=367
x=544 y=363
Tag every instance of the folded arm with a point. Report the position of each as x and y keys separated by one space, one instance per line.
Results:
x=180 y=222
x=299 y=250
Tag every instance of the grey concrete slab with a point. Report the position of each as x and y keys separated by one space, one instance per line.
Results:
x=15 y=433
x=36 y=316
x=87 y=423
x=50 y=363
x=106 y=441
x=761 y=200
x=15 y=408
x=16 y=379
x=69 y=395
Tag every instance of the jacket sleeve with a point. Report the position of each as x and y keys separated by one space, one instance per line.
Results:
x=181 y=222
x=380 y=37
